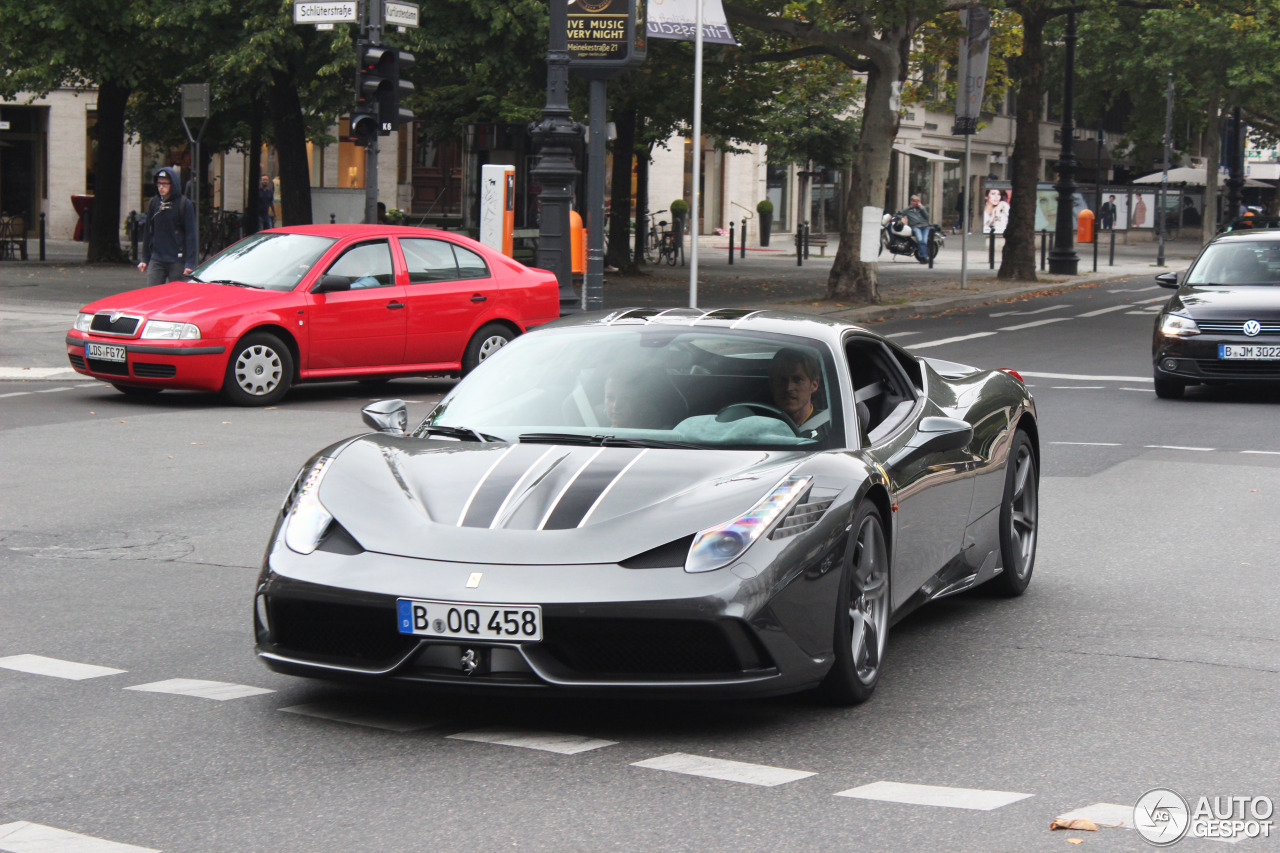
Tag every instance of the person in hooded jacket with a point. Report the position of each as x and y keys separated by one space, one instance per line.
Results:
x=169 y=249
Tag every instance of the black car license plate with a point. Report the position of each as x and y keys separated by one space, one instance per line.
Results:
x=104 y=352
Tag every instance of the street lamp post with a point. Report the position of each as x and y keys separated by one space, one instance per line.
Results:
x=1063 y=259
x=1235 y=167
x=556 y=171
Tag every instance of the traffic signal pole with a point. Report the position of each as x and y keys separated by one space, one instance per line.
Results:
x=373 y=35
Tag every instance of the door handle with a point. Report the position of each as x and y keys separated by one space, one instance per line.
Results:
x=479 y=298
x=395 y=305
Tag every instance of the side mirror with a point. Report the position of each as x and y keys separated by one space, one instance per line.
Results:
x=329 y=283
x=935 y=435
x=389 y=416
x=1167 y=279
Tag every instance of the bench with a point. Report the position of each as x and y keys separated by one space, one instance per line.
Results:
x=819 y=242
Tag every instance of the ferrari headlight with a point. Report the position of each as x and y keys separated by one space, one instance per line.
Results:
x=83 y=322
x=165 y=330
x=306 y=519
x=1178 y=326
x=719 y=546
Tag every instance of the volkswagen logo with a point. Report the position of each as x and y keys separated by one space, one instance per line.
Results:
x=1252 y=327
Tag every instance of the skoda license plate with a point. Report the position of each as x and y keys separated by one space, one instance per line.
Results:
x=104 y=352
x=510 y=622
x=1259 y=352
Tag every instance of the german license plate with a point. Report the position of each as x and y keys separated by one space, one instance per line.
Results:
x=104 y=352
x=1261 y=352
x=510 y=622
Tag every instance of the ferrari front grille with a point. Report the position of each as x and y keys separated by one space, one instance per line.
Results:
x=650 y=647
x=358 y=634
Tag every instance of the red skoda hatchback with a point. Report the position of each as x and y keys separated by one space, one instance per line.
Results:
x=313 y=303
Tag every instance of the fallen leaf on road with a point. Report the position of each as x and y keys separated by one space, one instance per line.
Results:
x=226 y=422
x=1081 y=823
x=1075 y=841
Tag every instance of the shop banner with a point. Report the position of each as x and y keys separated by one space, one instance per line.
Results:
x=678 y=19
x=975 y=46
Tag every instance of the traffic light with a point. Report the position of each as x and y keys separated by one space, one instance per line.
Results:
x=379 y=87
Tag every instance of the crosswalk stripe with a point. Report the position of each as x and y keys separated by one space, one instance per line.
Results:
x=544 y=741
x=219 y=690
x=1105 y=310
x=26 y=837
x=1034 y=323
x=720 y=768
x=41 y=665
x=358 y=715
x=934 y=795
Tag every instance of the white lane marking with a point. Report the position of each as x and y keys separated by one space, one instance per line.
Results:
x=1110 y=815
x=1077 y=387
x=1080 y=378
x=544 y=741
x=1164 y=298
x=26 y=837
x=1144 y=390
x=358 y=715
x=218 y=690
x=16 y=394
x=40 y=665
x=933 y=795
x=1027 y=313
x=939 y=343
x=1106 y=310
x=901 y=334
x=1175 y=447
x=41 y=373
x=1034 y=323
x=54 y=390
x=1090 y=443
x=1263 y=452
x=721 y=768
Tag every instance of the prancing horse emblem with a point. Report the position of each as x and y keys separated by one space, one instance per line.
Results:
x=470 y=662
x=474 y=580
x=1252 y=327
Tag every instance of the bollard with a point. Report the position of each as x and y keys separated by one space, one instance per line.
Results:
x=730 y=242
x=806 y=241
x=133 y=235
x=1044 y=247
x=42 y=215
x=799 y=252
x=928 y=251
x=333 y=218
x=991 y=248
x=742 y=245
x=1112 y=257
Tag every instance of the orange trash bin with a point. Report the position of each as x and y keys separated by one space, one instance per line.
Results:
x=1084 y=226
x=577 y=244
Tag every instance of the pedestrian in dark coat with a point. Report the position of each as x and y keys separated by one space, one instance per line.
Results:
x=266 y=204
x=169 y=249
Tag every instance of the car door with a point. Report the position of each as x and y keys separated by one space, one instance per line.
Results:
x=361 y=324
x=933 y=492
x=450 y=291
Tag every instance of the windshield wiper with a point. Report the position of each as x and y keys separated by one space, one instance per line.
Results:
x=462 y=433
x=602 y=440
x=235 y=283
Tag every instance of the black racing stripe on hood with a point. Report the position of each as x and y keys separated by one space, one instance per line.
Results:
x=501 y=480
x=586 y=490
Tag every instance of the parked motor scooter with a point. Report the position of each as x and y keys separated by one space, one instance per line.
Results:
x=896 y=236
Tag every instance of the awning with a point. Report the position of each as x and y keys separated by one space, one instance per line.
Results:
x=918 y=152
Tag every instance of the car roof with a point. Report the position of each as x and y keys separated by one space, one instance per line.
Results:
x=1269 y=235
x=357 y=229
x=741 y=319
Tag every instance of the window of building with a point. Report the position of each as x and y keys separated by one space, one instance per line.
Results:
x=350 y=159
x=778 y=190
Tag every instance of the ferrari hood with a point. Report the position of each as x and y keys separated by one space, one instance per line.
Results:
x=537 y=503
x=187 y=301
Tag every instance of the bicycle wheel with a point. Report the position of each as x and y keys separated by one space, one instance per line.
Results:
x=672 y=252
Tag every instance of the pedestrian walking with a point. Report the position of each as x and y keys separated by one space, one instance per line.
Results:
x=266 y=204
x=169 y=249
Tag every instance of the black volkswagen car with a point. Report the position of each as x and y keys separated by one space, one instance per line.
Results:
x=1223 y=324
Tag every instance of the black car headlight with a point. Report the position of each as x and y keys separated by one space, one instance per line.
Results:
x=1178 y=326
x=306 y=518
x=719 y=546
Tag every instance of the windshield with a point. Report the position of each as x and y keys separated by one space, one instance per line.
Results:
x=1238 y=262
x=652 y=386
x=268 y=260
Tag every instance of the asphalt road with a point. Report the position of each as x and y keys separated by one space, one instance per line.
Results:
x=1145 y=653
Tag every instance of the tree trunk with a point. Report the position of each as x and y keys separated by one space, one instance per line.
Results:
x=1209 y=219
x=104 y=218
x=852 y=276
x=642 y=205
x=249 y=220
x=624 y=155
x=291 y=146
x=1018 y=260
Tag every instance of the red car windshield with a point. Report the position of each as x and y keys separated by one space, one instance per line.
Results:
x=271 y=261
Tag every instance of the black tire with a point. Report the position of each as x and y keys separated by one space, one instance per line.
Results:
x=485 y=343
x=935 y=246
x=883 y=240
x=1019 y=518
x=863 y=609
x=136 y=390
x=259 y=371
x=1169 y=389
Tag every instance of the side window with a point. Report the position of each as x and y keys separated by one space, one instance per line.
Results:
x=882 y=395
x=470 y=264
x=429 y=260
x=365 y=266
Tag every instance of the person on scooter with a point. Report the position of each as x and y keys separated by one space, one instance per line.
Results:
x=917 y=218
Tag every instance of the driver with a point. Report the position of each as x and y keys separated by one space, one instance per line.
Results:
x=794 y=377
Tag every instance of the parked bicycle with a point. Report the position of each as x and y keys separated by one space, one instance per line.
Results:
x=661 y=244
x=219 y=230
